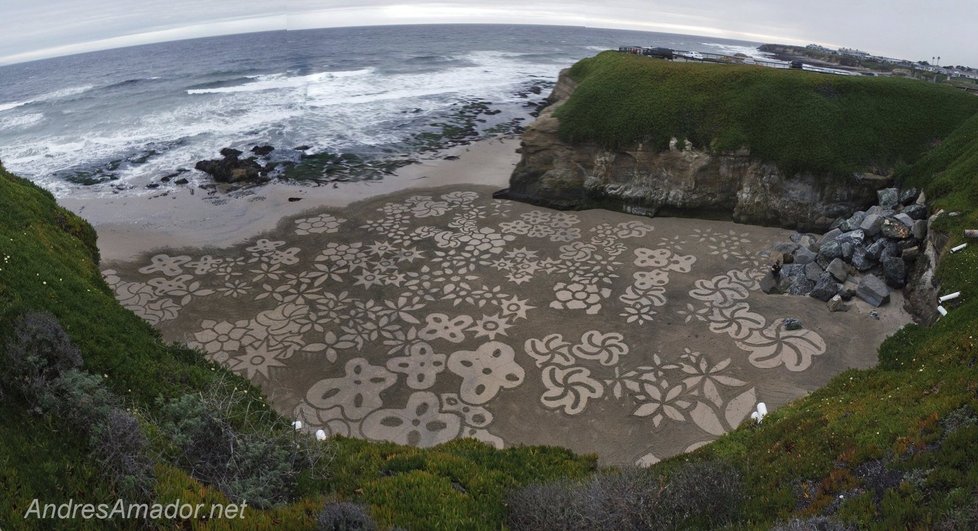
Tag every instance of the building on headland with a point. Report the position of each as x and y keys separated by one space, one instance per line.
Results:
x=852 y=52
x=818 y=48
x=897 y=68
x=635 y=50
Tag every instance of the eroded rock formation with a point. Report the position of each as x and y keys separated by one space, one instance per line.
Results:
x=682 y=181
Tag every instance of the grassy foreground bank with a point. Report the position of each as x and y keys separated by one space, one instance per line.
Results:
x=802 y=121
x=891 y=447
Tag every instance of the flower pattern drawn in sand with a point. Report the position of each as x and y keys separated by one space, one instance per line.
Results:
x=418 y=320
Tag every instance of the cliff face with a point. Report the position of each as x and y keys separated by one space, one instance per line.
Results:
x=681 y=181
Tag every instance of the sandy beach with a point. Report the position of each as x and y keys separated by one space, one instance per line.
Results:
x=187 y=217
x=419 y=310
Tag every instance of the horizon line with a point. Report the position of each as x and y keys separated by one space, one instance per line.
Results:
x=159 y=36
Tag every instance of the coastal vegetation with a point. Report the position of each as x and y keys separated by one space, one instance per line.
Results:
x=801 y=121
x=889 y=447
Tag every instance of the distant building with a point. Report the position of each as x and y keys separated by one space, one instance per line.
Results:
x=854 y=52
x=820 y=49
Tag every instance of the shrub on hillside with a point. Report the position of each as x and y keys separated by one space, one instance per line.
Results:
x=38 y=351
x=259 y=462
x=345 y=516
x=78 y=400
x=818 y=523
x=546 y=506
x=707 y=492
x=700 y=494
x=962 y=518
x=122 y=451
x=43 y=367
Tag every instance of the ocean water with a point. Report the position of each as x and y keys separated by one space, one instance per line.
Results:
x=114 y=121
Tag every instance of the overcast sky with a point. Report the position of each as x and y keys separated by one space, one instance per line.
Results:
x=911 y=29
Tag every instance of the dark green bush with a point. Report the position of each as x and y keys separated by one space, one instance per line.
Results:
x=701 y=494
x=705 y=492
x=77 y=400
x=345 y=516
x=963 y=518
x=258 y=460
x=122 y=452
x=38 y=352
x=545 y=506
x=819 y=523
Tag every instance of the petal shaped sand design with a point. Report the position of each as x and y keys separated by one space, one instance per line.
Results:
x=422 y=317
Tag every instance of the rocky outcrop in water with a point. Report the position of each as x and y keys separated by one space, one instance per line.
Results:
x=233 y=169
x=681 y=181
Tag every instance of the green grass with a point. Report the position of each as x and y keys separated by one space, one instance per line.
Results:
x=801 y=121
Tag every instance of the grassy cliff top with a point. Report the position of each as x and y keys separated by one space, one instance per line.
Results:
x=802 y=121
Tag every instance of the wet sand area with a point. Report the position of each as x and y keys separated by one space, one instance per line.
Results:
x=428 y=315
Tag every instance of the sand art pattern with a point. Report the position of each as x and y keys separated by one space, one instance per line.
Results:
x=423 y=318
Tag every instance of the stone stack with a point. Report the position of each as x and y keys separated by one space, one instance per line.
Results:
x=863 y=255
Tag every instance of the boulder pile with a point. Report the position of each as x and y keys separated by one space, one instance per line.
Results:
x=864 y=255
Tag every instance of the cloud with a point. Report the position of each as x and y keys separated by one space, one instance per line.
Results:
x=906 y=28
x=224 y=27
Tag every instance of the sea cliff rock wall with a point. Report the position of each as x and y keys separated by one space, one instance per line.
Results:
x=683 y=181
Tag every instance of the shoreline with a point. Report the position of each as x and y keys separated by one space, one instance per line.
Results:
x=128 y=227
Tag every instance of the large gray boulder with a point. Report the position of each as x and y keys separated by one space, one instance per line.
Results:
x=853 y=222
x=848 y=248
x=800 y=285
x=875 y=250
x=908 y=196
x=916 y=211
x=825 y=288
x=895 y=272
x=895 y=229
x=873 y=290
x=855 y=237
x=813 y=271
x=861 y=259
x=828 y=237
x=888 y=197
x=804 y=256
x=830 y=250
x=871 y=224
x=905 y=219
x=769 y=284
x=919 y=230
x=837 y=268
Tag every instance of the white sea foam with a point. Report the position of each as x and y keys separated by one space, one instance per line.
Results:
x=50 y=96
x=327 y=110
x=281 y=81
x=13 y=105
x=25 y=120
